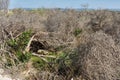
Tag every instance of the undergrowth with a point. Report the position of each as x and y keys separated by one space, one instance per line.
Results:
x=61 y=62
x=17 y=47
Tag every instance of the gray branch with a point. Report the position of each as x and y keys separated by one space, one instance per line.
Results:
x=4 y=4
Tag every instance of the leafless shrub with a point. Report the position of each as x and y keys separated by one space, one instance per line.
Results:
x=98 y=52
x=4 y=5
x=107 y=21
x=98 y=57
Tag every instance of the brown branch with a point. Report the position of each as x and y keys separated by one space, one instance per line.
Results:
x=27 y=49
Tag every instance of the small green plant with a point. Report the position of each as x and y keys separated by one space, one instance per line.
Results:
x=23 y=57
x=66 y=63
x=17 y=46
x=21 y=41
x=38 y=63
x=43 y=63
x=77 y=32
x=63 y=63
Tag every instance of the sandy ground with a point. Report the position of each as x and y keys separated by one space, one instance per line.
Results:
x=5 y=77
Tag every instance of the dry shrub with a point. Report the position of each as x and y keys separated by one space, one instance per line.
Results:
x=98 y=57
x=44 y=75
x=107 y=21
x=54 y=40
x=98 y=52
x=64 y=22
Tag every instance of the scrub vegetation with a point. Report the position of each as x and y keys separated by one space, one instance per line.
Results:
x=56 y=44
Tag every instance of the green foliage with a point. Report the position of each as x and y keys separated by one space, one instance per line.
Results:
x=62 y=62
x=21 y=42
x=77 y=32
x=74 y=57
x=13 y=44
x=66 y=63
x=38 y=63
x=43 y=63
x=17 y=46
x=24 y=39
x=23 y=57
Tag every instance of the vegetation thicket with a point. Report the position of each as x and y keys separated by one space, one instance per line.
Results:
x=56 y=44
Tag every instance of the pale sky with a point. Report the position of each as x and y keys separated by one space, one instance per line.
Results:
x=105 y=4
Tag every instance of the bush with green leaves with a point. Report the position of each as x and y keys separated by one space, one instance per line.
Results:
x=62 y=63
x=17 y=46
x=21 y=41
x=45 y=62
